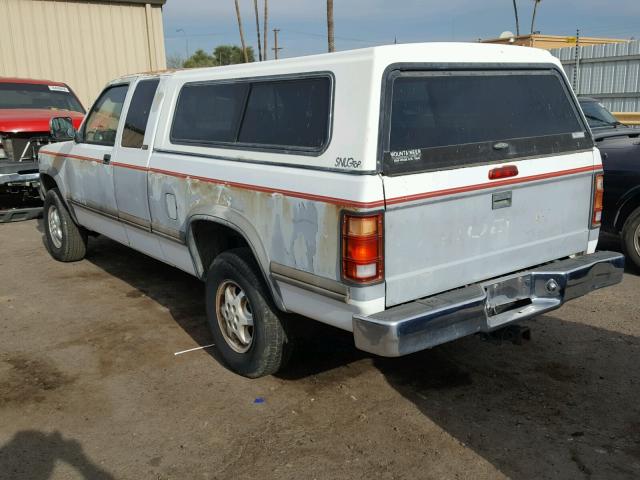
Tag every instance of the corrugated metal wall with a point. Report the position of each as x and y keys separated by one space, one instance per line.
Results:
x=80 y=43
x=610 y=73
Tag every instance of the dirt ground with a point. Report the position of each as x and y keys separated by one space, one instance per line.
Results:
x=90 y=387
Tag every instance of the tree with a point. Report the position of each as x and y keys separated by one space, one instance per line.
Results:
x=199 y=59
x=264 y=30
x=242 y=42
x=533 y=17
x=330 y=39
x=175 y=61
x=222 y=55
x=232 y=54
x=255 y=6
x=515 y=10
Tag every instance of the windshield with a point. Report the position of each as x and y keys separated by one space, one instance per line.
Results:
x=456 y=119
x=30 y=95
x=597 y=114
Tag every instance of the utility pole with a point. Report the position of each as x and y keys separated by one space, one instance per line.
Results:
x=186 y=40
x=330 y=39
x=244 y=46
x=264 y=30
x=276 y=48
x=255 y=7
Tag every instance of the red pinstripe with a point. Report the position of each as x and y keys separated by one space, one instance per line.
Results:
x=342 y=201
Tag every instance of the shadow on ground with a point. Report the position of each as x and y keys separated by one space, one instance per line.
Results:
x=32 y=455
x=564 y=405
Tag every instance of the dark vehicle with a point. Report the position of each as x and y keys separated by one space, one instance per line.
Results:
x=620 y=149
x=26 y=107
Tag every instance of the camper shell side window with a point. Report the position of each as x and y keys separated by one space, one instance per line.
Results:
x=287 y=114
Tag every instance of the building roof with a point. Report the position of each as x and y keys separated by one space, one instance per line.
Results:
x=141 y=2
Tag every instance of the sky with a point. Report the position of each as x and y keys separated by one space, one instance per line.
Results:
x=193 y=24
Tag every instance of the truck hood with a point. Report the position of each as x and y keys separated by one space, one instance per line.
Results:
x=620 y=131
x=33 y=119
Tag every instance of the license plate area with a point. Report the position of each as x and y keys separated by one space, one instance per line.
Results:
x=510 y=294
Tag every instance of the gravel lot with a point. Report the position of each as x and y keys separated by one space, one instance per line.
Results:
x=90 y=387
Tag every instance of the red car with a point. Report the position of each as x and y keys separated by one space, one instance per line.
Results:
x=26 y=106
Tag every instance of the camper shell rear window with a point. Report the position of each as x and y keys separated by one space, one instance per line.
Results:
x=449 y=119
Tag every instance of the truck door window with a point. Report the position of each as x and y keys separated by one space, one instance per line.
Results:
x=135 y=125
x=102 y=122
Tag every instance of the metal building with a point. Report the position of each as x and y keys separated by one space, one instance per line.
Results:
x=548 y=42
x=610 y=73
x=82 y=43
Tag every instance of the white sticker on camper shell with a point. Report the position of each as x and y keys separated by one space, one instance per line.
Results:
x=401 y=156
x=58 y=88
x=577 y=135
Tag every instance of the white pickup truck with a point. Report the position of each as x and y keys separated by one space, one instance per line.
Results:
x=410 y=194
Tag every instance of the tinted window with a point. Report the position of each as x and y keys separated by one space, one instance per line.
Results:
x=597 y=114
x=135 y=124
x=459 y=119
x=28 y=95
x=208 y=113
x=291 y=113
x=102 y=122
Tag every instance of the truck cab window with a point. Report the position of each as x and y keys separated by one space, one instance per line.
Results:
x=102 y=123
x=135 y=124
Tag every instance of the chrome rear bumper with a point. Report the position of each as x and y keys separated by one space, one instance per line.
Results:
x=483 y=307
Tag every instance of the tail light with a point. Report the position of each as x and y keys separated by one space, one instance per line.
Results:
x=598 y=193
x=362 y=248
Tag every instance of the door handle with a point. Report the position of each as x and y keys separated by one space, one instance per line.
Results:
x=106 y=159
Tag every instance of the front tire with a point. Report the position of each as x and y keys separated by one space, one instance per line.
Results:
x=246 y=325
x=631 y=238
x=66 y=241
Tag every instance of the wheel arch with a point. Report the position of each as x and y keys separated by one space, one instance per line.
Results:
x=47 y=182
x=227 y=234
x=629 y=202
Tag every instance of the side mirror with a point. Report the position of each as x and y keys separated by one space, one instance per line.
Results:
x=61 y=129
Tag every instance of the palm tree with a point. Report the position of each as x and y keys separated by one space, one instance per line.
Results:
x=515 y=10
x=332 y=46
x=255 y=7
x=244 y=46
x=266 y=16
x=533 y=17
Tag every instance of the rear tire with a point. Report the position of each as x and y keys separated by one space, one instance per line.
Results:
x=631 y=238
x=247 y=327
x=66 y=241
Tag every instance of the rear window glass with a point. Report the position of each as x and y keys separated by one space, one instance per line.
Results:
x=279 y=114
x=455 y=119
x=135 y=125
x=208 y=113
x=290 y=113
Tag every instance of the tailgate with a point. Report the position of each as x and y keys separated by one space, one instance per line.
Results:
x=452 y=233
x=448 y=221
